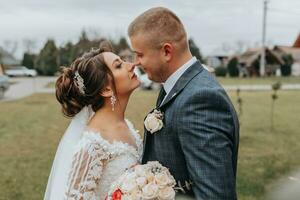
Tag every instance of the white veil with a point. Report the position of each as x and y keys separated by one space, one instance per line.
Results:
x=58 y=178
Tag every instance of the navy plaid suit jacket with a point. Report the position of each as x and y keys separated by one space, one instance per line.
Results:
x=200 y=137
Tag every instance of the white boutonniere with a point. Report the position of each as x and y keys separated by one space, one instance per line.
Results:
x=154 y=121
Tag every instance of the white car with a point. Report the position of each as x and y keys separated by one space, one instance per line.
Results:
x=20 y=71
x=146 y=83
x=4 y=85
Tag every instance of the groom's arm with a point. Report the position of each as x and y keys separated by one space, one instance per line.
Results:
x=205 y=131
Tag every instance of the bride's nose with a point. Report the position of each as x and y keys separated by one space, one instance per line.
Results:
x=130 y=66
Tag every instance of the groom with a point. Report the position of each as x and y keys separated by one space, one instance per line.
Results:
x=198 y=140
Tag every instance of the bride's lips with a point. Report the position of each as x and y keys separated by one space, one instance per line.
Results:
x=133 y=76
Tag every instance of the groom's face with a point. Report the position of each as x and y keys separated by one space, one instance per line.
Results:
x=148 y=58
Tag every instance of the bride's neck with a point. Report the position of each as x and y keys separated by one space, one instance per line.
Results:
x=112 y=116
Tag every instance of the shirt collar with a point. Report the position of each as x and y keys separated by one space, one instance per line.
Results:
x=170 y=82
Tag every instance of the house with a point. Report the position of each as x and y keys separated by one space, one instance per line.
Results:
x=249 y=62
x=297 y=42
x=219 y=58
x=6 y=59
x=216 y=61
x=294 y=52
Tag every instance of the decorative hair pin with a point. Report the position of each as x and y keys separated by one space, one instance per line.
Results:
x=93 y=52
x=79 y=82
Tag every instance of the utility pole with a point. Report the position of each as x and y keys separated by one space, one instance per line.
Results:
x=263 y=49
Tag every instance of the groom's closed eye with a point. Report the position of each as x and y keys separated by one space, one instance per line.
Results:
x=138 y=54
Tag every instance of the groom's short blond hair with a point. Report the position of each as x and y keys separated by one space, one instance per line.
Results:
x=159 y=25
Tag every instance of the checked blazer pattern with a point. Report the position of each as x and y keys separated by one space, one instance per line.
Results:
x=200 y=137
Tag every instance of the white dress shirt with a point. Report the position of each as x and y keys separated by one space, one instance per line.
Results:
x=171 y=81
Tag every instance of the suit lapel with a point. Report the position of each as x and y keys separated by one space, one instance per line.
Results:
x=188 y=75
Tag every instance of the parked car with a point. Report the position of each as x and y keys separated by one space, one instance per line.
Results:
x=146 y=83
x=20 y=71
x=4 y=85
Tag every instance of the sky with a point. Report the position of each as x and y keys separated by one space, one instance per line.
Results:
x=216 y=25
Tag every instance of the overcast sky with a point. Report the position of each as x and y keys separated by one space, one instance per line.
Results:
x=211 y=23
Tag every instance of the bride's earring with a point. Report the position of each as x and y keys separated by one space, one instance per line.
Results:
x=113 y=101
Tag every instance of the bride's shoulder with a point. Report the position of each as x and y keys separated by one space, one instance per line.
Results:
x=90 y=141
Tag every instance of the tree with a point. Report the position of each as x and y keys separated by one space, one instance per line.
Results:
x=195 y=50
x=82 y=46
x=221 y=71
x=286 y=68
x=46 y=62
x=28 y=60
x=121 y=45
x=65 y=55
x=232 y=67
x=256 y=65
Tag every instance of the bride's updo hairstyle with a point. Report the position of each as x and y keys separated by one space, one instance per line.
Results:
x=80 y=84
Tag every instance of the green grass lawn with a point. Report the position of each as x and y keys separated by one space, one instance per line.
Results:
x=244 y=81
x=30 y=130
x=258 y=81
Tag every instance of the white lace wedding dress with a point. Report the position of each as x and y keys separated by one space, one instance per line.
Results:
x=97 y=163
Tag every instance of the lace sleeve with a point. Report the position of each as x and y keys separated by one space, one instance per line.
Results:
x=86 y=171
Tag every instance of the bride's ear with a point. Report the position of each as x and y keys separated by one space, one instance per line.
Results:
x=107 y=92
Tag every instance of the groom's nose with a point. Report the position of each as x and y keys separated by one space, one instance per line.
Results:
x=137 y=62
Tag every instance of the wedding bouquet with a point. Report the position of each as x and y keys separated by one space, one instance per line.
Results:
x=151 y=181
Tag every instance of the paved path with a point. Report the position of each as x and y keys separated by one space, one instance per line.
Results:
x=287 y=188
x=261 y=87
x=23 y=87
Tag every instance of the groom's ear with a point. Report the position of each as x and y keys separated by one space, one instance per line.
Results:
x=107 y=91
x=168 y=51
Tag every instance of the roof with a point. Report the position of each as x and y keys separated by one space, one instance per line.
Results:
x=253 y=53
x=297 y=42
x=294 y=51
x=7 y=59
x=249 y=56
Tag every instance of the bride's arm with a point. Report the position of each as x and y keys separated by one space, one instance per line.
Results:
x=86 y=172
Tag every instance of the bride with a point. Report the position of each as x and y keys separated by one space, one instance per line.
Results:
x=99 y=143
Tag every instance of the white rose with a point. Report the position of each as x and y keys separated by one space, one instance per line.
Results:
x=162 y=179
x=152 y=123
x=129 y=186
x=139 y=170
x=136 y=195
x=150 y=191
x=150 y=177
x=166 y=193
x=141 y=181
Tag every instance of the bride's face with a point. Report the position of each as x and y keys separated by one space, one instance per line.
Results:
x=125 y=78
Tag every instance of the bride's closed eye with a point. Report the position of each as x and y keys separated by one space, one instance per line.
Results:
x=119 y=65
